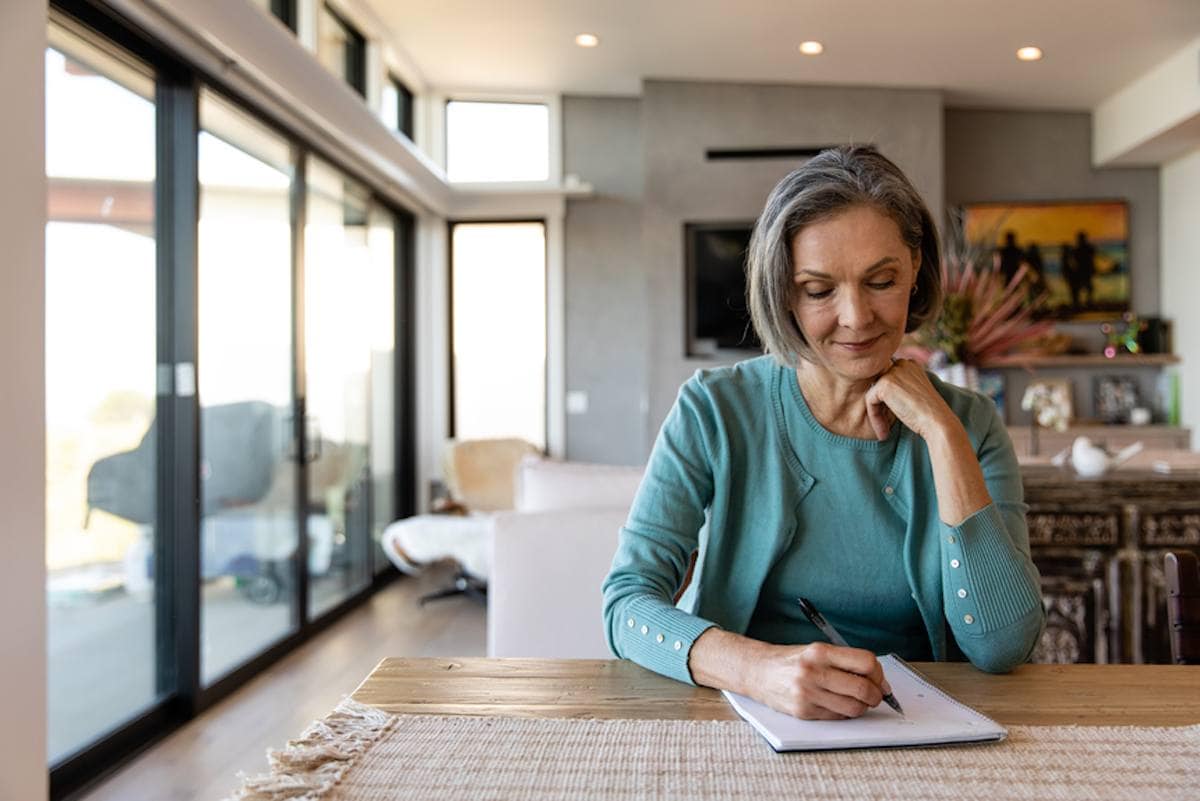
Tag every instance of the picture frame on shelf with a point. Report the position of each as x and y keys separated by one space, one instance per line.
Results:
x=1051 y=401
x=1077 y=252
x=1115 y=396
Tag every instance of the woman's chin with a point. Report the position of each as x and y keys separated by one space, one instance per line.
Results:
x=860 y=367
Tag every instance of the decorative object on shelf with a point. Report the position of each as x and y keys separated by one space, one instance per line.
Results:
x=1090 y=460
x=1168 y=397
x=956 y=373
x=1077 y=252
x=1115 y=396
x=991 y=383
x=1050 y=402
x=1123 y=339
x=984 y=313
x=1050 y=405
x=1140 y=416
x=1156 y=335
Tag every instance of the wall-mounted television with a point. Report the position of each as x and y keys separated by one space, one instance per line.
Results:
x=715 y=266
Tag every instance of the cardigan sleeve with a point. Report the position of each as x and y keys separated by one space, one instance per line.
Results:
x=641 y=621
x=990 y=586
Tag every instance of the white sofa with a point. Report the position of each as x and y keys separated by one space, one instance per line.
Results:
x=550 y=555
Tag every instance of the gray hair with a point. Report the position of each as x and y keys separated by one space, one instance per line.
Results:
x=830 y=182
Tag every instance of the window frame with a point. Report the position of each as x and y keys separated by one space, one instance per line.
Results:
x=404 y=106
x=355 y=63
x=553 y=104
x=451 y=224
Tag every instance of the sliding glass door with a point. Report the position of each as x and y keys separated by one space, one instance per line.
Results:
x=101 y=459
x=225 y=436
x=349 y=303
x=249 y=524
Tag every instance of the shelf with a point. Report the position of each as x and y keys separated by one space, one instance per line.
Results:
x=1033 y=362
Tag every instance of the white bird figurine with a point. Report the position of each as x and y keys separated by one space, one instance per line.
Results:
x=1092 y=461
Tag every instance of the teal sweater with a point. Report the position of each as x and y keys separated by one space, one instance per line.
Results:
x=724 y=478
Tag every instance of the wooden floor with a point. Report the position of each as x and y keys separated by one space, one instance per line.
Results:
x=202 y=760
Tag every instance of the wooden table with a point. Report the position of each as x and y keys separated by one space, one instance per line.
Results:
x=1090 y=695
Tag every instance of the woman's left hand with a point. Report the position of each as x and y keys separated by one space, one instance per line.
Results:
x=904 y=392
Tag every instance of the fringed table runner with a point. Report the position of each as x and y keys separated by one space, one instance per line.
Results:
x=359 y=753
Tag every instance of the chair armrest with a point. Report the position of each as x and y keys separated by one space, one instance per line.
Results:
x=544 y=592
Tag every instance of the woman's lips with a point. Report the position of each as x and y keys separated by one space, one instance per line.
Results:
x=859 y=347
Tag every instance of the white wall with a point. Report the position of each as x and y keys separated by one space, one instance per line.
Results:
x=1180 y=278
x=1152 y=120
x=22 y=472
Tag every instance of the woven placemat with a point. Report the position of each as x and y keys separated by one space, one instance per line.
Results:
x=362 y=754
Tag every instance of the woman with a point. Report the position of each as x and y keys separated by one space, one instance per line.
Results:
x=828 y=470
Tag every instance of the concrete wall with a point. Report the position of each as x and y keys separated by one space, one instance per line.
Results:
x=1028 y=155
x=680 y=121
x=22 y=469
x=1036 y=155
x=646 y=159
x=1181 y=275
x=605 y=284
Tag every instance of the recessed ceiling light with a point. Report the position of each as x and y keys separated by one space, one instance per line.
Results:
x=1030 y=53
x=812 y=48
x=587 y=40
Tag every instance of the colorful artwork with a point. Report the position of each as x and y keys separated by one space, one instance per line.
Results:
x=1077 y=252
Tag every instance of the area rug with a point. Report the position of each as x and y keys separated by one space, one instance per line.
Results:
x=360 y=753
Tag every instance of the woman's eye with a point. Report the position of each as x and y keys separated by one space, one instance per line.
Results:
x=882 y=285
x=818 y=294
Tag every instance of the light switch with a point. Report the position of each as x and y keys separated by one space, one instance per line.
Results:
x=577 y=402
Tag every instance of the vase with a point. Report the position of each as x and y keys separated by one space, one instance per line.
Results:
x=959 y=374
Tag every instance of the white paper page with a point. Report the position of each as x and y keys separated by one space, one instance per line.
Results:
x=930 y=717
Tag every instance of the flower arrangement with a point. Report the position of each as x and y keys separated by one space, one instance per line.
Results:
x=982 y=314
x=1050 y=403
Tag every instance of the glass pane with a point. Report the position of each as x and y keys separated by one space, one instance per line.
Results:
x=382 y=245
x=497 y=142
x=389 y=107
x=349 y=262
x=101 y=460
x=396 y=106
x=249 y=525
x=341 y=49
x=499 y=336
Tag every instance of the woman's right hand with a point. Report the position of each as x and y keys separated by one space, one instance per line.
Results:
x=817 y=681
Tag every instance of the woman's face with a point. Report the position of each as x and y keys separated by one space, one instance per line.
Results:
x=853 y=277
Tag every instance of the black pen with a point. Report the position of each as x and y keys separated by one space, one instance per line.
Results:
x=829 y=631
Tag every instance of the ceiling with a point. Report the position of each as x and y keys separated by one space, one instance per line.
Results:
x=965 y=47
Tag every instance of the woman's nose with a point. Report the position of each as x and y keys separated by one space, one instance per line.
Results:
x=854 y=311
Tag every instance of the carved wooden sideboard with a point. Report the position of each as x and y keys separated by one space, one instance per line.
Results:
x=1099 y=545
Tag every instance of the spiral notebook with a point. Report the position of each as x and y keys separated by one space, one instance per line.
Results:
x=931 y=717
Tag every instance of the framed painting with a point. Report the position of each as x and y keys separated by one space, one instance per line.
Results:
x=1115 y=397
x=1077 y=252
